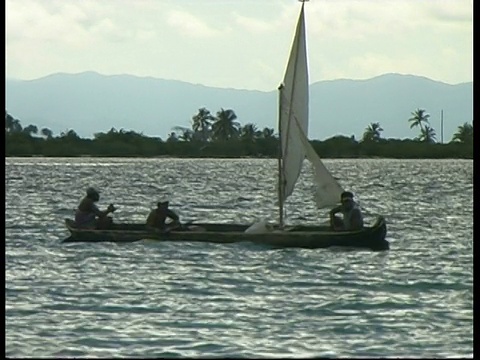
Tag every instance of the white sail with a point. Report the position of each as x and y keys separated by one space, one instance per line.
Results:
x=293 y=128
x=327 y=188
x=294 y=104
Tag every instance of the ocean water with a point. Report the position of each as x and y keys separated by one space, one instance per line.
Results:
x=161 y=299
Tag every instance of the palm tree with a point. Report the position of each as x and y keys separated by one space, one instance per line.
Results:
x=12 y=124
x=427 y=135
x=70 y=134
x=225 y=127
x=47 y=133
x=419 y=117
x=249 y=132
x=372 y=132
x=30 y=129
x=186 y=134
x=464 y=134
x=267 y=133
x=172 y=137
x=9 y=119
x=202 y=122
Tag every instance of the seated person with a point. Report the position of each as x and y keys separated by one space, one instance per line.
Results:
x=157 y=217
x=89 y=216
x=352 y=215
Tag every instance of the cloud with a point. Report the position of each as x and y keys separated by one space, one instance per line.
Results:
x=361 y=19
x=74 y=24
x=253 y=25
x=345 y=38
x=190 y=25
x=450 y=12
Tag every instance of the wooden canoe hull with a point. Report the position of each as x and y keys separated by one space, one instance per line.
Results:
x=311 y=237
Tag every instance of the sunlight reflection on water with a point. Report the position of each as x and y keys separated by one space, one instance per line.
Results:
x=153 y=299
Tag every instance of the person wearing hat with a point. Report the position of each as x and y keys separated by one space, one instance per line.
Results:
x=88 y=215
x=352 y=215
x=157 y=217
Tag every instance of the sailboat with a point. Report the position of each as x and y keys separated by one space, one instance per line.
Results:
x=294 y=148
x=293 y=130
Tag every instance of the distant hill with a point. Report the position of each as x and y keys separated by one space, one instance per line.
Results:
x=90 y=102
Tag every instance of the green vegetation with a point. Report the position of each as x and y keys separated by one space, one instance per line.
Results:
x=222 y=136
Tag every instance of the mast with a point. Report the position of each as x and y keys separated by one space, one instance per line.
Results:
x=286 y=91
x=280 y=157
x=441 y=125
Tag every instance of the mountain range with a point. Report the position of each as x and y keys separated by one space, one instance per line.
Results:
x=89 y=103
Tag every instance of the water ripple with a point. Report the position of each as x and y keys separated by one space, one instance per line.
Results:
x=160 y=299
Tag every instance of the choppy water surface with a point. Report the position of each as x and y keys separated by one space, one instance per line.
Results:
x=154 y=299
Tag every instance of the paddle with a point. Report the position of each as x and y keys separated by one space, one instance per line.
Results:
x=181 y=227
x=178 y=227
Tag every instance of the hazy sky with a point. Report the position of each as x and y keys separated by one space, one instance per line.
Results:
x=241 y=44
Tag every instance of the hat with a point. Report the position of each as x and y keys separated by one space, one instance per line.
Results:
x=346 y=194
x=91 y=191
x=163 y=203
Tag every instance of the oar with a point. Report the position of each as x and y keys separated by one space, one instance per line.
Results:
x=183 y=226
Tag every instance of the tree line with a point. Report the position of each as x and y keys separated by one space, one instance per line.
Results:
x=221 y=135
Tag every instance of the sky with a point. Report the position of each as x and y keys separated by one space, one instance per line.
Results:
x=241 y=44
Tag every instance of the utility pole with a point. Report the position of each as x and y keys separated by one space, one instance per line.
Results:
x=441 y=126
